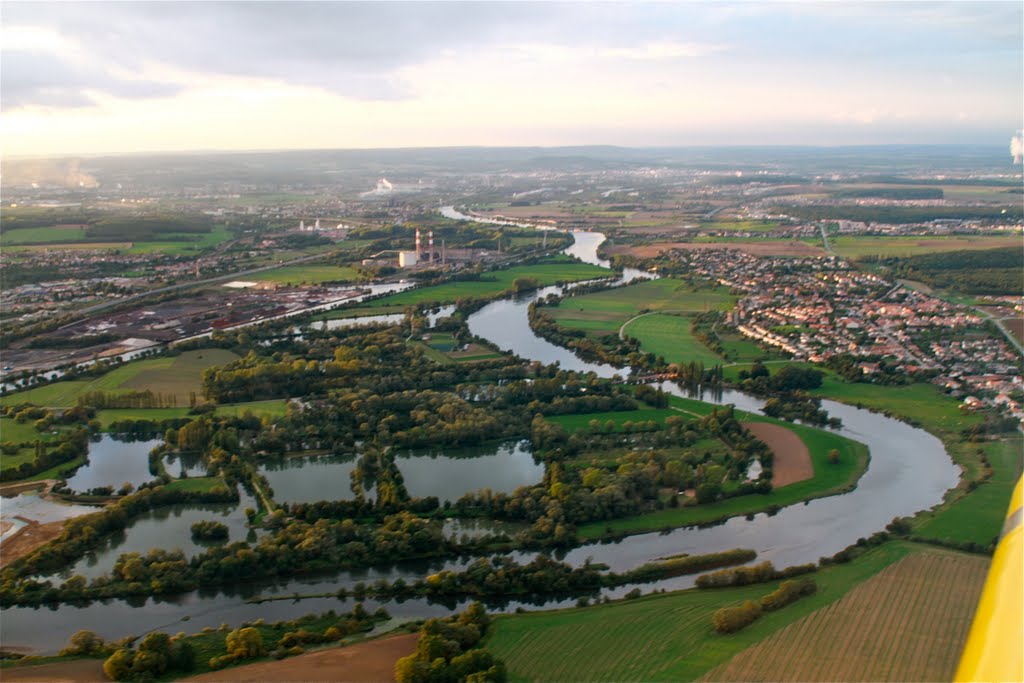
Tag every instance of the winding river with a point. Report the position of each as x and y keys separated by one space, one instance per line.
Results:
x=909 y=471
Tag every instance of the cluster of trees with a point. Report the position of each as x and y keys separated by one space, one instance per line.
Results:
x=448 y=650
x=686 y=564
x=732 y=619
x=209 y=530
x=900 y=214
x=793 y=406
x=102 y=400
x=985 y=271
x=156 y=656
x=744 y=576
x=788 y=378
x=847 y=366
x=71 y=445
x=159 y=655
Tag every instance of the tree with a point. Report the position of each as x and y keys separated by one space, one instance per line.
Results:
x=245 y=643
x=85 y=643
x=119 y=665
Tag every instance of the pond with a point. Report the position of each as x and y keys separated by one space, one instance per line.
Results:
x=451 y=473
x=169 y=528
x=311 y=479
x=113 y=462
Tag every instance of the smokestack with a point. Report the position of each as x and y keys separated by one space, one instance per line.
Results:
x=430 y=245
x=317 y=226
x=1017 y=147
x=302 y=225
x=419 y=249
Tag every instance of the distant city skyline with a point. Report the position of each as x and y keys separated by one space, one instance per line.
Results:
x=86 y=78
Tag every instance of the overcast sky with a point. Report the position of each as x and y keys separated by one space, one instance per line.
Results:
x=127 y=77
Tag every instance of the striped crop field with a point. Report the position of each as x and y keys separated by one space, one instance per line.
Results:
x=908 y=623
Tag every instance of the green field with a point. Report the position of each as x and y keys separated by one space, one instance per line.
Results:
x=857 y=247
x=170 y=243
x=979 y=516
x=607 y=311
x=177 y=375
x=307 y=274
x=271 y=408
x=660 y=637
x=24 y=432
x=926 y=404
x=495 y=282
x=572 y=423
x=736 y=226
x=671 y=337
x=24 y=236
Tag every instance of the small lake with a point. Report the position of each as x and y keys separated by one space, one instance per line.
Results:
x=182 y=465
x=451 y=473
x=113 y=462
x=167 y=527
x=312 y=479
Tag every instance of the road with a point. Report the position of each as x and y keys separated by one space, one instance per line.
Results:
x=1002 y=328
x=824 y=238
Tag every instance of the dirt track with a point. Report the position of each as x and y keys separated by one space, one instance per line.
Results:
x=370 y=662
x=792 y=461
x=77 y=671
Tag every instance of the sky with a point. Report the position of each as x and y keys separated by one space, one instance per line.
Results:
x=126 y=77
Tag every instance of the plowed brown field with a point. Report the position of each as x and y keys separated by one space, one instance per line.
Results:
x=792 y=461
x=908 y=623
x=369 y=662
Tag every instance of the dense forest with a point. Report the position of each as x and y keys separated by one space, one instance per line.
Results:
x=984 y=271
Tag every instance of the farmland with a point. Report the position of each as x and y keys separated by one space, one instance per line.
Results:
x=662 y=637
x=861 y=246
x=495 y=282
x=168 y=375
x=307 y=275
x=442 y=347
x=76 y=237
x=272 y=408
x=979 y=516
x=893 y=627
x=607 y=311
x=671 y=337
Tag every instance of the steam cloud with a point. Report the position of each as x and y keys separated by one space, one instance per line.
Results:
x=46 y=173
x=1017 y=147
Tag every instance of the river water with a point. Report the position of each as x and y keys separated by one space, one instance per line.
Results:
x=909 y=471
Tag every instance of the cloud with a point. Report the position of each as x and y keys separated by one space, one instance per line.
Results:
x=36 y=78
x=353 y=49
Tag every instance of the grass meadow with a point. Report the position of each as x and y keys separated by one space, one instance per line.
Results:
x=174 y=375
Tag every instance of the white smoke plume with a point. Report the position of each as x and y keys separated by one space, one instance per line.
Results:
x=384 y=184
x=1017 y=147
